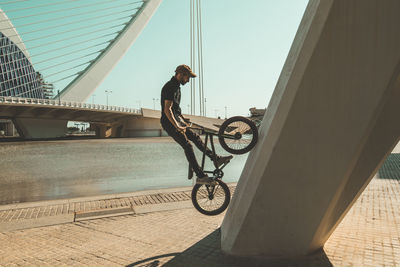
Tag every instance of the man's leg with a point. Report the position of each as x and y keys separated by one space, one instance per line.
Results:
x=184 y=142
x=195 y=138
x=201 y=146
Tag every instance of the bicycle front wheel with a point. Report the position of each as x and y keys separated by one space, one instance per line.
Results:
x=238 y=135
x=211 y=199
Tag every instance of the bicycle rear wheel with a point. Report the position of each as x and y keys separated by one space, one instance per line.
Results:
x=238 y=135
x=211 y=199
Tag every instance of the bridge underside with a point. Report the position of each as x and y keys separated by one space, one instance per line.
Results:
x=49 y=122
x=36 y=121
x=331 y=122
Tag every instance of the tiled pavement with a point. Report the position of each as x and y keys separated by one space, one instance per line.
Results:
x=36 y=210
x=368 y=236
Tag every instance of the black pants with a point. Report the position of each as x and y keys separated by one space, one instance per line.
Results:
x=183 y=140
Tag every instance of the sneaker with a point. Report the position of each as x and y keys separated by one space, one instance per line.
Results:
x=204 y=180
x=222 y=160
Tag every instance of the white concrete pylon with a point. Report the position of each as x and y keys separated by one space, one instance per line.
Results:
x=86 y=83
x=332 y=120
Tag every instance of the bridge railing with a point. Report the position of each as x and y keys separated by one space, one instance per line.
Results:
x=60 y=103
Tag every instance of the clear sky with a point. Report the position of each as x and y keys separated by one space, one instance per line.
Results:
x=245 y=44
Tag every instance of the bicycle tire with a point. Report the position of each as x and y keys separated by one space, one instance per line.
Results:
x=200 y=193
x=238 y=124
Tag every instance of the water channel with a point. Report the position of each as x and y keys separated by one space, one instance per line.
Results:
x=45 y=170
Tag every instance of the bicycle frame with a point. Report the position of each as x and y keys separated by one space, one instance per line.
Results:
x=209 y=136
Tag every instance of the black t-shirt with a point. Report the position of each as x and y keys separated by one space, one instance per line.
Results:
x=171 y=91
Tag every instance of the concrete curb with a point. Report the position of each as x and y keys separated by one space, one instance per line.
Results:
x=33 y=223
x=98 y=197
x=93 y=198
x=76 y=216
x=91 y=215
x=163 y=207
x=125 y=208
x=88 y=215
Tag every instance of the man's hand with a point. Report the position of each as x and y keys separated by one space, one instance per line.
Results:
x=181 y=129
x=186 y=121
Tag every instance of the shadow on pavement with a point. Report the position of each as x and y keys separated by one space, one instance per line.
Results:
x=390 y=169
x=207 y=252
x=153 y=261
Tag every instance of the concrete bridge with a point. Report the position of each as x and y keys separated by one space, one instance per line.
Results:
x=44 y=118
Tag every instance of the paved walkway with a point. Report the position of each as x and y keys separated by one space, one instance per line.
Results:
x=163 y=228
x=44 y=213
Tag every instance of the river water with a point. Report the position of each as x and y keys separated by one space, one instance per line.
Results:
x=44 y=170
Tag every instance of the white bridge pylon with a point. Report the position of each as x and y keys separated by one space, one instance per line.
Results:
x=332 y=120
x=85 y=84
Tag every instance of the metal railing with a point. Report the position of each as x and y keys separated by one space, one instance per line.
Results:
x=60 y=103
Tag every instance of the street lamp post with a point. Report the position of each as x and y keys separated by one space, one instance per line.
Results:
x=154 y=103
x=216 y=113
x=205 y=107
x=107 y=92
x=139 y=103
x=226 y=112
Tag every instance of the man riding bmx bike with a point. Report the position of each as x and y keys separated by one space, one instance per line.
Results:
x=174 y=124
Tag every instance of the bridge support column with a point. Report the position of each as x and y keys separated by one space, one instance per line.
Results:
x=102 y=131
x=30 y=128
x=9 y=129
x=106 y=130
x=331 y=122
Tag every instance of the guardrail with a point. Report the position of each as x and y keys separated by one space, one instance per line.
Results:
x=60 y=103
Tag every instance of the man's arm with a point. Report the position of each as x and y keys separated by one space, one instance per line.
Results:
x=170 y=116
x=186 y=120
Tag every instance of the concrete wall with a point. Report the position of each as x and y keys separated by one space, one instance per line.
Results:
x=143 y=127
x=40 y=128
x=331 y=122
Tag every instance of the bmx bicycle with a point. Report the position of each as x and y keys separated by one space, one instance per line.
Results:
x=237 y=135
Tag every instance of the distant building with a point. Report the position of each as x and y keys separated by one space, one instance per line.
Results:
x=257 y=115
x=48 y=88
x=257 y=112
x=17 y=74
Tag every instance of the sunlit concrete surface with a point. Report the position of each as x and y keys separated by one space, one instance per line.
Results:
x=332 y=120
x=368 y=236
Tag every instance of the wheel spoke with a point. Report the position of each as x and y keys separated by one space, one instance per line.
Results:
x=217 y=195
x=245 y=130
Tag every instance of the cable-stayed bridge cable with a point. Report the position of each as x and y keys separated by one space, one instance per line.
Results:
x=13 y=2
x=67 y=17
x=75 y=22
x=55 y=42
x=63 y=10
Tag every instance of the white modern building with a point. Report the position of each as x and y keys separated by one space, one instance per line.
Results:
x=17 y=74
